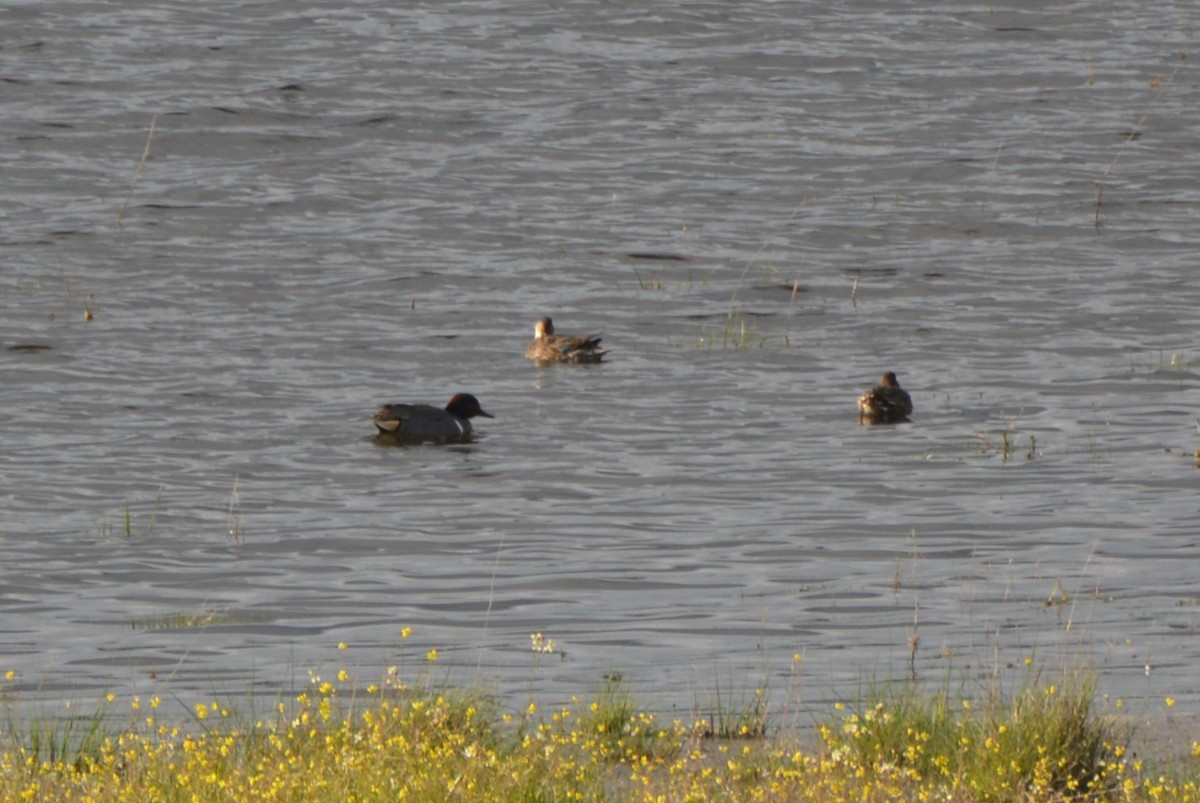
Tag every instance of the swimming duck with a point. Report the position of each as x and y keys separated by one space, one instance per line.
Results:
x=548 y=347
x=886 y=403
x=424 y=422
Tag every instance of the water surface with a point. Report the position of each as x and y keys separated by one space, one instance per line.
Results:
x=352 y=206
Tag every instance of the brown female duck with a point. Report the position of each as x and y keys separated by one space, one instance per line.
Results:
x=886 y=403
x=547 y=347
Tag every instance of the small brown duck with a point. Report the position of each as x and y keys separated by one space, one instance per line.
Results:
x=548 y=347
x=424 y=422
x=886 y=403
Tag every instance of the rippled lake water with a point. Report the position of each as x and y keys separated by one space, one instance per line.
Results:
x=762 y=206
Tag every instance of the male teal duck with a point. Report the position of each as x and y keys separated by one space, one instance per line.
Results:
x=424 y=422
x=548 y=347
x=886 y=403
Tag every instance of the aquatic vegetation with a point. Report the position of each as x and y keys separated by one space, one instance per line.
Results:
x=737 y=332
x=184 y=620
x=735 y=712
x=137 y=174
x=396 y=740
x=235 y=527
x=1043 y=742
x=131 y=525
x=685 y=282
x=67 y=739
x=1177 y=361
x=1010 y=443
x=649 y=282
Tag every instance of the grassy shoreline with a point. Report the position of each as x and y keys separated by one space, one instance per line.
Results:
x=1044 y=740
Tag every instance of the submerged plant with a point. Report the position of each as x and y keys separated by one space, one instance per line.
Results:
x=183 y=620
x=646 y=282
x=235 y=521
x=130 y=524
x=1177 y=361
x=736 y=333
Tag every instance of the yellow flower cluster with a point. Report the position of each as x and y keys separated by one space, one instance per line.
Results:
x=399 y=743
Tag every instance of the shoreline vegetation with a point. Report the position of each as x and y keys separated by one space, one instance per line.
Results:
x=1045 y=739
